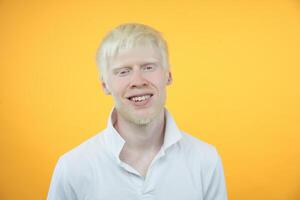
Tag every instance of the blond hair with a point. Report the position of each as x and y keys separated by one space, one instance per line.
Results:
x=127 y=36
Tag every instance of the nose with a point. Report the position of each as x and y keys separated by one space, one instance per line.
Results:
x=138 y=80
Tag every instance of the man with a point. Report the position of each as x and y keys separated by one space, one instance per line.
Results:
x=141 y=154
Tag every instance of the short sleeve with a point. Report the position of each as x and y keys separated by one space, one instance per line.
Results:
x=60 y=187
x=217 y=186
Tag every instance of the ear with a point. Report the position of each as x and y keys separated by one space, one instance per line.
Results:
x=104 y=87
x=170 y=79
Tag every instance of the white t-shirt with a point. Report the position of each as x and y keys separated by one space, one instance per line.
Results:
x=185 y=168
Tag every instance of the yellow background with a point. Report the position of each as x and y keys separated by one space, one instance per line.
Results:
x=236 y=85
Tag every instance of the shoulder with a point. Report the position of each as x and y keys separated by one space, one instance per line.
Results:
x=85 y=150
x=204 y=158
x=203 y=148
x=199 y=151
x=75 y=169
x=82 y=158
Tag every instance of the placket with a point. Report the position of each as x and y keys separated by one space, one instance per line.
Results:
x=144 y=187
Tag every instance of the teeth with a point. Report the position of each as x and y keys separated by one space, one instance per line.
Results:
x=140 y=98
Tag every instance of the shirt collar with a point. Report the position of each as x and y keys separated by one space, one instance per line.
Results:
x=114 y=142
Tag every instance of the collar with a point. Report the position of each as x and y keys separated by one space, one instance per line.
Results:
x=114 y=142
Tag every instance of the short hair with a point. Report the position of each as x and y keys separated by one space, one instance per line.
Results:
x=127 y=36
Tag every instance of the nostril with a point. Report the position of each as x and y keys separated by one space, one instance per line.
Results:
x=139 y=84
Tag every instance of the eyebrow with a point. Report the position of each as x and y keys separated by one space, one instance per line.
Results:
x=149 y=63
x=128 y=66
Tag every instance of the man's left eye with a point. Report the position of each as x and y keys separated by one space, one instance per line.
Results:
x=149 y=67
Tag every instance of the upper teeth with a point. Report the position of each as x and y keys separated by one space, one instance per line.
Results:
x=141 y=98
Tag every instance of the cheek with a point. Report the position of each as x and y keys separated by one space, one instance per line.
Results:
x=158 y=78
x=118 y=86
x=159 y=82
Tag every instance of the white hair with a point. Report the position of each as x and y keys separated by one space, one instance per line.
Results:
x=127 y=36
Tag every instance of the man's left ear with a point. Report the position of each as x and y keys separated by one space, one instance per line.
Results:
x=170 y=79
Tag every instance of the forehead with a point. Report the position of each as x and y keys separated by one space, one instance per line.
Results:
x=136 y=55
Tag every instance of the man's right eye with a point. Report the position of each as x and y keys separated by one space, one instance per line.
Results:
x=123 y=72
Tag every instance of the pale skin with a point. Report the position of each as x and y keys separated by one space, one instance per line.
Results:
x=136 y=72
x=140 y=149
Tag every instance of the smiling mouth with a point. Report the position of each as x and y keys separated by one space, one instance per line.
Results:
x=140 y=98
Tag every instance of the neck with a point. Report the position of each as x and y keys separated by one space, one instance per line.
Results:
x=143 y=138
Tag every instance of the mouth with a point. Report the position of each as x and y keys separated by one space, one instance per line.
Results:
x=139 y=98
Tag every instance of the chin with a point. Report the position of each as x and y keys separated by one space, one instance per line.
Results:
x=140 y=117
x=142 y=121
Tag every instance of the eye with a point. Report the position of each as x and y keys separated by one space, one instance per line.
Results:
x=123 y=72
x=149 y=67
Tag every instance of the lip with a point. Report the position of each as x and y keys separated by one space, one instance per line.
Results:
x=139 y=94
x=140 y=104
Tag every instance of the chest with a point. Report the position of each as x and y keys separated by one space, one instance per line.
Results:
x=165 y=179
x=139 y=161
